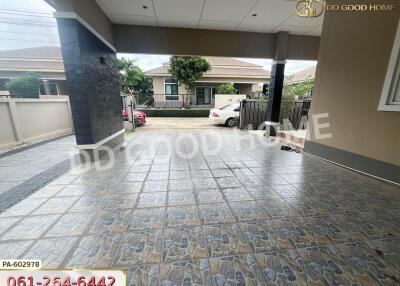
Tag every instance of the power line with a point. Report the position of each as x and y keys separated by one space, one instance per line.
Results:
x=27 y=20
x=33 y=40
x=33 y=33
x=26 y=15
x=29 y=24
x=27 y=11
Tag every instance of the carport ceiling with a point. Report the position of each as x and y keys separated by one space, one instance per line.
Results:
x=267 y=16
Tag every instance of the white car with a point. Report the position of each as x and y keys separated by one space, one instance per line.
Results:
x=226 y=115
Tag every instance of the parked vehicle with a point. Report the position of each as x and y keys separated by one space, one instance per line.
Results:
x=226 y=115
x=140 y=117
x=125 y=115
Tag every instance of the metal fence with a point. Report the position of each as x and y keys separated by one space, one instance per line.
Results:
x=298 y=114
x=253 y=113
x=165 y=101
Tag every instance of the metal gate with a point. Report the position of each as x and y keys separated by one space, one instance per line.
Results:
x=253 y=113
x=298 y=115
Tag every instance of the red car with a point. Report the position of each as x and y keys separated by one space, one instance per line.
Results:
x=125 y=115
x=140 y=117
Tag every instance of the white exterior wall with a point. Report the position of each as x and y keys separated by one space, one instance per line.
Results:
x=225 y=99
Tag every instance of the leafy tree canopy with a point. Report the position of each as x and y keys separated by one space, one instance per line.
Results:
x=226 y=88
x=26 y=86
x=133 y=78
x=187 y=70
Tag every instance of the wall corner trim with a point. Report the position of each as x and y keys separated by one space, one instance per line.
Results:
x=73 y=15
x=371 y=167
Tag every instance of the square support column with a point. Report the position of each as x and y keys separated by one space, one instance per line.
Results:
x=93 y=86
x=275 y=93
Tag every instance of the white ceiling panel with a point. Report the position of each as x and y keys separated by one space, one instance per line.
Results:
x=264 y=16
x=304 y=22
x=270 y=14
x=218 y=25
x=134 y=20
x=178 y=13
x=227 y=10
x=128 y=7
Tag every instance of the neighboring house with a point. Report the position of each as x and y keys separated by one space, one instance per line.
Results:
x=301 y=76
x=246 y=78
x=46 y=61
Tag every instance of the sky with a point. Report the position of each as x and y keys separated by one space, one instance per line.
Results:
x=29 y=23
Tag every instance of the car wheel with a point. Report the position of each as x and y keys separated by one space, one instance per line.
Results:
x=230 y=122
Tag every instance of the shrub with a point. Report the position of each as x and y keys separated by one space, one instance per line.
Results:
x=176 y=112
x=226 y=88
x=26 y=86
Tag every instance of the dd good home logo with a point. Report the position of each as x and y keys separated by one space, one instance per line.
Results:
x=309 y=8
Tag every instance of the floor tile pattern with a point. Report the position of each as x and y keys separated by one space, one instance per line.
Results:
x=241 y=216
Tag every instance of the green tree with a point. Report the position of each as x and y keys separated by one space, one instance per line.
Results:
x=226 y=88
x=187 y=70
x=26 y=86
x=295 y=92
x=133 y=78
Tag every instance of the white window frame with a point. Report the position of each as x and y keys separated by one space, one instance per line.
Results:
x=391 y=84
x=168 y=83
x=58 y=90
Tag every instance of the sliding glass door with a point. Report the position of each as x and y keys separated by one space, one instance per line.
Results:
x=203 y=95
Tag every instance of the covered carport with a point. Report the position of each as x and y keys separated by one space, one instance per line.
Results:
x=92 y=32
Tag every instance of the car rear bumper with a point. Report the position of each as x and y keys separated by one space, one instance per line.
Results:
x=217 y=120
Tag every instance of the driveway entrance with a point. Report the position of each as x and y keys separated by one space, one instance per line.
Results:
x=153 y=123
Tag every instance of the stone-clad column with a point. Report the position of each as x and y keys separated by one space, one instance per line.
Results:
x=93 y=86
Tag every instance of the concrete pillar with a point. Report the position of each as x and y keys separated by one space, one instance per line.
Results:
x=93 y=86
x=277 y=78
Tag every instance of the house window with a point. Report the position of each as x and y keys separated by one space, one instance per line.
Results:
x=390 y=98
x=171 y=90
x=53 y=89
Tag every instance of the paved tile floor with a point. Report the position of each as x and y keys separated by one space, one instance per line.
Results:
x=253 y=215
x=20 y=167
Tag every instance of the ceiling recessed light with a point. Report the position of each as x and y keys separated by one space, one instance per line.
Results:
x=144 y=7
x=254 y=15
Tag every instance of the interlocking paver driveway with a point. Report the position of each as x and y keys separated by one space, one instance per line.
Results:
x=232 y=217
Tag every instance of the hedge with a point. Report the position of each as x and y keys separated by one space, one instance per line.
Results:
x=176 y=112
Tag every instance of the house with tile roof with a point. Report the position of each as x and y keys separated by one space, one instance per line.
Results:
x=301 y=75
x=246 y=78
x=46 y=61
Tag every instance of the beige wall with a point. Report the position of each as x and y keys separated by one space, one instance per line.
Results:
x=33 y=120
x=353 y=58
x=178 y=41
